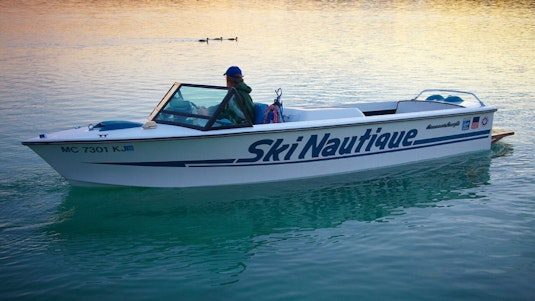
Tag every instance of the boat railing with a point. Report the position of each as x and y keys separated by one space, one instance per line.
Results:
x=436 y=95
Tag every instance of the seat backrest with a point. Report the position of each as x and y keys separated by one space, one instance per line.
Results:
x=259 y=110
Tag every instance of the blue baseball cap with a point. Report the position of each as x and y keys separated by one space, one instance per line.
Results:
x=233 y=71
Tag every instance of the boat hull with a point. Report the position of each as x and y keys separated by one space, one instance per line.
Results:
x=266 y=154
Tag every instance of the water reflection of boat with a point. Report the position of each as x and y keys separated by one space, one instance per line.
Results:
x=215 y=232
x=197 y=215
x=203 y=136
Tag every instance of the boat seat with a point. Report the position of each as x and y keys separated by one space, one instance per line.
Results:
x=322 y=113
x=259 y=109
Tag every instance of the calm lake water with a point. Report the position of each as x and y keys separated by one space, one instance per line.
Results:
x=455 y=229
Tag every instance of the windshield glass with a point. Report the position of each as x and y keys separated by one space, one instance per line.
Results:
x=201 y=107
x=456 y=97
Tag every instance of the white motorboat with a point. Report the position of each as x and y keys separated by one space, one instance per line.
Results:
x=201 y=135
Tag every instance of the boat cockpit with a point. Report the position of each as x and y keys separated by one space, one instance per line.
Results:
x=205 y=107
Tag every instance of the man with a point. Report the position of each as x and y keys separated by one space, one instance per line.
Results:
x=235 y=80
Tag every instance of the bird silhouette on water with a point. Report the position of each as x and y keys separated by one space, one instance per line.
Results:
x=217 y=39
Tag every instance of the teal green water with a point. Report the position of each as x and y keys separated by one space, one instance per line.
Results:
x=453 y=229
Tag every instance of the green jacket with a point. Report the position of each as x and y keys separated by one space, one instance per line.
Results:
x=243 y=94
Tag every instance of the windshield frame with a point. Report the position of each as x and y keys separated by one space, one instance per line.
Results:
x=197 y=120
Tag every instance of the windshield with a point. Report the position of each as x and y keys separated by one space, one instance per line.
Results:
x=201 y=107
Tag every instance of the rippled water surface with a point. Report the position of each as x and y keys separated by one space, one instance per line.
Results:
x=453 y=229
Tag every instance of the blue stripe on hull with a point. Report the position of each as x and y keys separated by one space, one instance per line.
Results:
x=418 y=144
x=452 y=137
